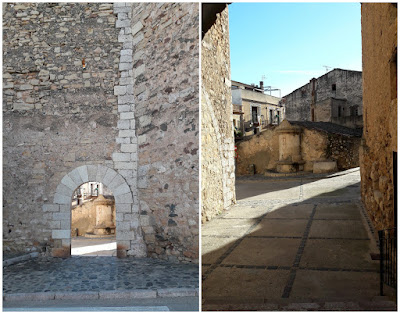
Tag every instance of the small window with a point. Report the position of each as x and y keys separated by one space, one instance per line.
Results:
x=339 y=111
x=333 y=87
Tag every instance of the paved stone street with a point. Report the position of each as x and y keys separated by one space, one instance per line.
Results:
x=291 y=244
x=98 y=277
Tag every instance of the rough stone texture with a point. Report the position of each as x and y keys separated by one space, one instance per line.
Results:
x=107 y=93
x=379 y=47
x=326 y=99
x=218 y=165
x=57 y=116
x=319 y=142
x=165 y=95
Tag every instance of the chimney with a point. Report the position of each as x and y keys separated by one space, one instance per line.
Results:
x=262 y=85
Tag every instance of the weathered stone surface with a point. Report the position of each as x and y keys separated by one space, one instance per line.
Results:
x=218 y=178
x=379 y=143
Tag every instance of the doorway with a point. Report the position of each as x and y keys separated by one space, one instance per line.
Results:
x=93 y=224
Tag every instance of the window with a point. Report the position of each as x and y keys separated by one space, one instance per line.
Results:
x=333 y=87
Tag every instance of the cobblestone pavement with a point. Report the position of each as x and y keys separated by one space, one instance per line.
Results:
x=92 y=274
x=303 y=241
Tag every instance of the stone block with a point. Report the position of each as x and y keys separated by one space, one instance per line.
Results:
x=128 y=148
x=125 y=59
x=126 y=99
x=126 y=235
x=126 y=133
x=127 y=115
x=61 y=234
x=122 y=189
x=124 y=208
x=37 y=296
x=126 y=52
x=124 y=108
x=124 y=66
x=51 y=208
x=123 y=165
x=62 y=199
x=123 y=124
x=55 y=224
x=116 y=181
x=177 y=292
x=66 y=180
x=119 y=90
x=137 y=39
x=64 y=190
x=76 y=177
x=121 y=156
x=136 y=28
x=123 y=140
x=92 y=172
x=124 y=198
x=109 y=176
x=124 y=23
x=78 y=295
x=83 y=172
x=62 y=216
x=101 y=172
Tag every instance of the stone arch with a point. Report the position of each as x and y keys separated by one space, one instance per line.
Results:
x=128 y=232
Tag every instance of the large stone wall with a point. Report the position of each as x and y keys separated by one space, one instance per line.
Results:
x=262 y=150
x=166 y=96
x=127 y=118
x=56 y=115
x=217 y=139
x=348 y=91
x=379 y=48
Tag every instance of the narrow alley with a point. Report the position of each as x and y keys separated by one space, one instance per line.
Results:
x=292 y=244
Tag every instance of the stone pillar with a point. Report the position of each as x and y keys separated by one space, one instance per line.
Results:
x=289 y=148
x=104 y=216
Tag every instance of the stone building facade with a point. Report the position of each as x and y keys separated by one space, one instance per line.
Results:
x=321 y=146
x=378 y=154
x=333 y=97
x=105 y=93
x=253 y=110
x=217 y=136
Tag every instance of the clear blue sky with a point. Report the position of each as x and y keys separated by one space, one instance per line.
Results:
x=290 y=43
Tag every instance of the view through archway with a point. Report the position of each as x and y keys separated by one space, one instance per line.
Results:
x=93 y=225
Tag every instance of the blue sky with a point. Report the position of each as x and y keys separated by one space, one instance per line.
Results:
x=290 y=43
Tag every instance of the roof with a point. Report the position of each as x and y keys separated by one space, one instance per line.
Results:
x=328 y=127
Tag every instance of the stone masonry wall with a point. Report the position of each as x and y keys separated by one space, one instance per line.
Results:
x=348 y=86
x=379 y=48
x=262 y=150
x=218 y=165
x=127 y=120
x=56 y=115
x=164 y=74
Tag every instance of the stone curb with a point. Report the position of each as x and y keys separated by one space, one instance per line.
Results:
x=18 y=259
x=102 y=294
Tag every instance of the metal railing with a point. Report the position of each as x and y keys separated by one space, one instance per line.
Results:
x=388 y=258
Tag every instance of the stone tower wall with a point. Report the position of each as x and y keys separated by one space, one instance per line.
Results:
x=124 y=120
x=218 y=163
x=379 y=48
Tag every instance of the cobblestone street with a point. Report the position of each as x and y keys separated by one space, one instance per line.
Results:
x=98 y=277
x=288 y=241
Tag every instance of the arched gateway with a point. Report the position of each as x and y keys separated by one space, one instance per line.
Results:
x=129 y=235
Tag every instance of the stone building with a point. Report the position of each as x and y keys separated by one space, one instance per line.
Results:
x=98 y=92
x=253 y=110
x=217 y=136
x=378 y=154
x=299 y=146
x=333 y=97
